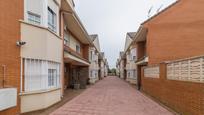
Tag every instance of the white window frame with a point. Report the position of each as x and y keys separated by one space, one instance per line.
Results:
x=34 y=18
x=66 y=39
x=36 y=74
x=78 y=48
x=52 y=20
x=92 y=55
x=52 y=75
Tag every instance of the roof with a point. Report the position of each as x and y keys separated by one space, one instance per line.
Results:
x=131 y=34
x=168 y=7
x=75 y=25
x=93 y=37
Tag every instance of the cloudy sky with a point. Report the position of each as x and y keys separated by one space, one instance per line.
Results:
x=112 y=19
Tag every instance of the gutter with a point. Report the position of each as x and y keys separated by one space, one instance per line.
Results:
x=80 y=23
x=74 y=14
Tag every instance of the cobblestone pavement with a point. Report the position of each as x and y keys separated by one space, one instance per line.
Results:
x=111 y=96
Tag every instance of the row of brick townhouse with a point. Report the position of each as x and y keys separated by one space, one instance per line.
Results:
x=44 y=50
x=168 y=56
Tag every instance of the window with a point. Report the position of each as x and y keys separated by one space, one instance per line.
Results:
x=133 y=54
x=92 y=54
x=66 y=39
x=41 y=75
x=52 y=20
x=52 y=74
x=134 y=57
x=129 y=74
x=78 y=48
x=93 y=74
x=34 y=18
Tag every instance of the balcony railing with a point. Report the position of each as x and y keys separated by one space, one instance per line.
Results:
x=71 y=51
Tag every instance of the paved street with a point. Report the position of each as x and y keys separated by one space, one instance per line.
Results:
x=111 y=96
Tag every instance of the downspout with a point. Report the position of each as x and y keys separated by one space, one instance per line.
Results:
x=62 y=65
x=62 y=13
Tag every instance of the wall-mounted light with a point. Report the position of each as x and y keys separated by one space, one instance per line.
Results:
x=20 y=43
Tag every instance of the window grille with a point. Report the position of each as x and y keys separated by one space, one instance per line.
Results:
x=41 y=75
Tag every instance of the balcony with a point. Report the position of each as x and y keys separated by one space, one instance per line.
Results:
x=41 y=43
x=74 y=57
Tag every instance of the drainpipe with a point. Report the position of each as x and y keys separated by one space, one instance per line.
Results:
x=62 y=60
x=4 y=75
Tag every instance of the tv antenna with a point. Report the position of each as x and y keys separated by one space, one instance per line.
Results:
x=149 y=12
x=158 y=10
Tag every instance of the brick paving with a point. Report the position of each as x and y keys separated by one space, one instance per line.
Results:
x=69 y=94
x=111 y=96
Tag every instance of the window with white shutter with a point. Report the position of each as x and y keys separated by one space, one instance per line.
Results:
x=41 y=75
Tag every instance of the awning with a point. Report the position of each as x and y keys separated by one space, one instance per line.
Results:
x=69 y=58
x=143 y=61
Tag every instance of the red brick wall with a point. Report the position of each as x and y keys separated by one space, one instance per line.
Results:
x=86 y=52
x=177 y=32
x=184 y=97
x=11 y=12
x=141 y=50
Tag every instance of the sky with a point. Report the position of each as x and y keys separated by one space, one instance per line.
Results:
x=112 y=19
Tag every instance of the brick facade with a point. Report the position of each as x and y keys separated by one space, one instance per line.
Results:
x=184 y=97
x=141 y=50
x=174 y=34
x=9 y=52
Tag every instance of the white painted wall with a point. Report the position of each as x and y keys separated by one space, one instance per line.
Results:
x=40 y=44
x=127 y=42
x=97 y=45
x=73 y=42
x=94 y=66
x=94 y=62
x=40 y=7
x=37 y=101
x=8 y=98
x=56 y=9
x=122 y=69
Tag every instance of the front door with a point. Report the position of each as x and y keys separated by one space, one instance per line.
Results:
x=139 y=81
x=125 y=74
